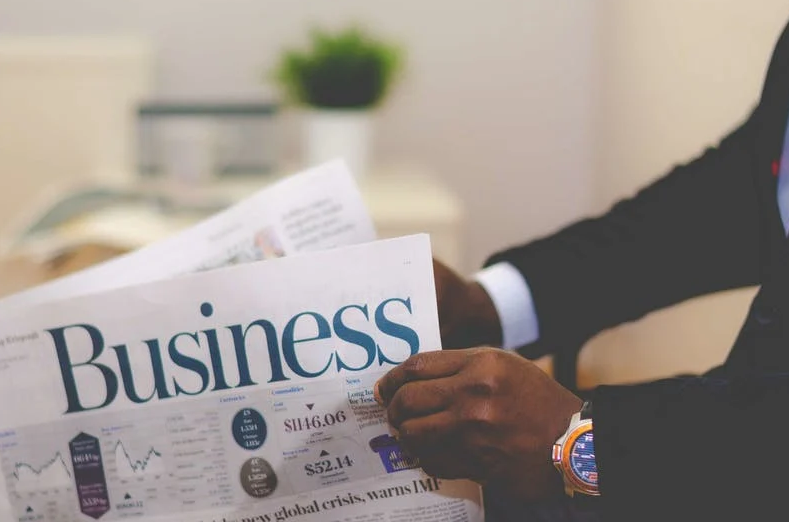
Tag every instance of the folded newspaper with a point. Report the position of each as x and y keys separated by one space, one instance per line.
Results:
x=164 y=386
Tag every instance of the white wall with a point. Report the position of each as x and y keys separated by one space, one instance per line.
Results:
x=676 y=75
x=496 y=97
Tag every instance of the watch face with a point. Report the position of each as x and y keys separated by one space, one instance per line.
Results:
x=582 y=461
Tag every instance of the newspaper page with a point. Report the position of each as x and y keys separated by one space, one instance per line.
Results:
x=234 y=395
x=316 y=209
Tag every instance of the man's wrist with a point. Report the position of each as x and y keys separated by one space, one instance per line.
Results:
x=483 y=326
x=508 y=291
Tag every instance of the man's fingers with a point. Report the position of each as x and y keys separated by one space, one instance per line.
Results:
x=425 y=432
x=419 y=399
x=422 y=366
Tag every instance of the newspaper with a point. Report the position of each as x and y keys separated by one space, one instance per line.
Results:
x=316 y=209
x=160 y=460
x=237 y=394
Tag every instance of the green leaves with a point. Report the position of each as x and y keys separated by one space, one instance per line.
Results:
x=347 y=69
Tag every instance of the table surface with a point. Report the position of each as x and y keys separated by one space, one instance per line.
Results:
x=400 y=196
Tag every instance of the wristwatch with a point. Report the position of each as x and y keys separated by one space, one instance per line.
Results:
x=573 y=456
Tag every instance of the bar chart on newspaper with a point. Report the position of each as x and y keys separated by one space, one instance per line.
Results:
x=157 y=461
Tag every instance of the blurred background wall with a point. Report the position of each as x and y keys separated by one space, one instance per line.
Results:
x=496 y=97
x=536 y=112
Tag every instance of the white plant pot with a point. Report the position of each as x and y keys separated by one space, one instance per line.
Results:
x=331 y=134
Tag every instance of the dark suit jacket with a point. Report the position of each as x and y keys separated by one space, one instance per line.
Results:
x=703 y=448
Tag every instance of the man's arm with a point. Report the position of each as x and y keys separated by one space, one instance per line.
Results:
x=695 y=231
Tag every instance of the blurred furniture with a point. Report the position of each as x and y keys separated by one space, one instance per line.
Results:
x=199 y=139
x=67 y=114
x=95 y=224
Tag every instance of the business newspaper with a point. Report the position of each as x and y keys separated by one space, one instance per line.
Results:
x=315 y=209
x=242 y=393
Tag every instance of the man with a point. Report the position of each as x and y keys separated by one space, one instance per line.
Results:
x=686 y=448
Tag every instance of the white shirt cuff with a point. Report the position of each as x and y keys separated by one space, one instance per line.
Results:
x=513 y=301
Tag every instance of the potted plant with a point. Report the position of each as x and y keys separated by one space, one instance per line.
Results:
x=340 y=78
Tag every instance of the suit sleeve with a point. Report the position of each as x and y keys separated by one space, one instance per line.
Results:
x=693 y=448
x=692 y=232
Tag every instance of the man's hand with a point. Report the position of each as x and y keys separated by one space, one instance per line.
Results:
x=483 y=414
x=466 y=314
